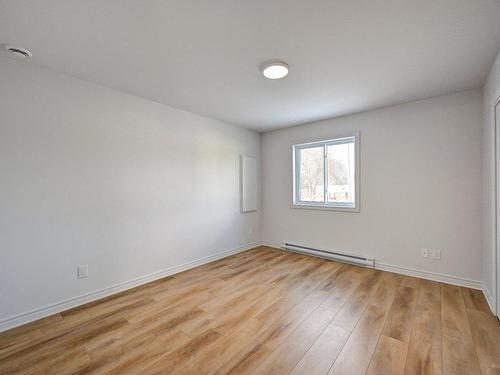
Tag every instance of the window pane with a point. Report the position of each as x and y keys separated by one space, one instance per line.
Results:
x=312 y=178
x=341 y=173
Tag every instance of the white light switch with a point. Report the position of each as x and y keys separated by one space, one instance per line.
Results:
x=424 y=252
x=83 y=271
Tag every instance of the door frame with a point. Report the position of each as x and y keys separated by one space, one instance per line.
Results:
x=496 y=230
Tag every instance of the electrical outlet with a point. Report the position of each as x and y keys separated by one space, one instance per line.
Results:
x=83 y=272
x=436 y=254
x=424 y=252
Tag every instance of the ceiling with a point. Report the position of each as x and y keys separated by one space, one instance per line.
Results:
x=345 y=56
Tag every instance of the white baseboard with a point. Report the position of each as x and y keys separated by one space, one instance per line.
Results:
x=276 y=245
x=434 y=276
x=42 y=312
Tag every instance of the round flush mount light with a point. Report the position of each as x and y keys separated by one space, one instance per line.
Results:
x=274 y=69
x=18 y=52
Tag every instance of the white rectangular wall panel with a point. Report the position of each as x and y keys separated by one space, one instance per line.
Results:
x=248 y=173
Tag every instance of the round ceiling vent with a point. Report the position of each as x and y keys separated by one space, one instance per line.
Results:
x=18 y=52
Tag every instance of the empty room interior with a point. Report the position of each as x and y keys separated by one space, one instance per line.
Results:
x=305 y=187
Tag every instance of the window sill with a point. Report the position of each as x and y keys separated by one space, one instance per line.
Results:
x=325 y=208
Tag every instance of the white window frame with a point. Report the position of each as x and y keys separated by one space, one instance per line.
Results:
x=334 y=206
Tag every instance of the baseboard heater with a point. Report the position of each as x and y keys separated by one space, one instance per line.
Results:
x=341 y=257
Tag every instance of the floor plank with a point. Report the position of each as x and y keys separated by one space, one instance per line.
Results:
x=424 y=352
x=459 y=356
x=289 y=353
x=401 y=315
x=486 y=335
x=358 y=350
x=171 y=362
x=352 y=310
x=389 y=357
x=386 y=292
x=474 y=300
x=320 y=357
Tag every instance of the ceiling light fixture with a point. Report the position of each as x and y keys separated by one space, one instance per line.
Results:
x=274 y=69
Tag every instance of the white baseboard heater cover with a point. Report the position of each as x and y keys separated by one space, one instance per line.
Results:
x=341 y=257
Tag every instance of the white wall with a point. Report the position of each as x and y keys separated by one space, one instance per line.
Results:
x=90 y=175
x=420 y=184
x=491 y=92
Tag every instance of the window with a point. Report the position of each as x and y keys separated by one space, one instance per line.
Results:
x=326 y=174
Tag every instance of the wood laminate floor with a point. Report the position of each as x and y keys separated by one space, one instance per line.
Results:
x=265 y=311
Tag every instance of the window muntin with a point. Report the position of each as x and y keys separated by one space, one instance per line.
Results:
x=325 y=174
